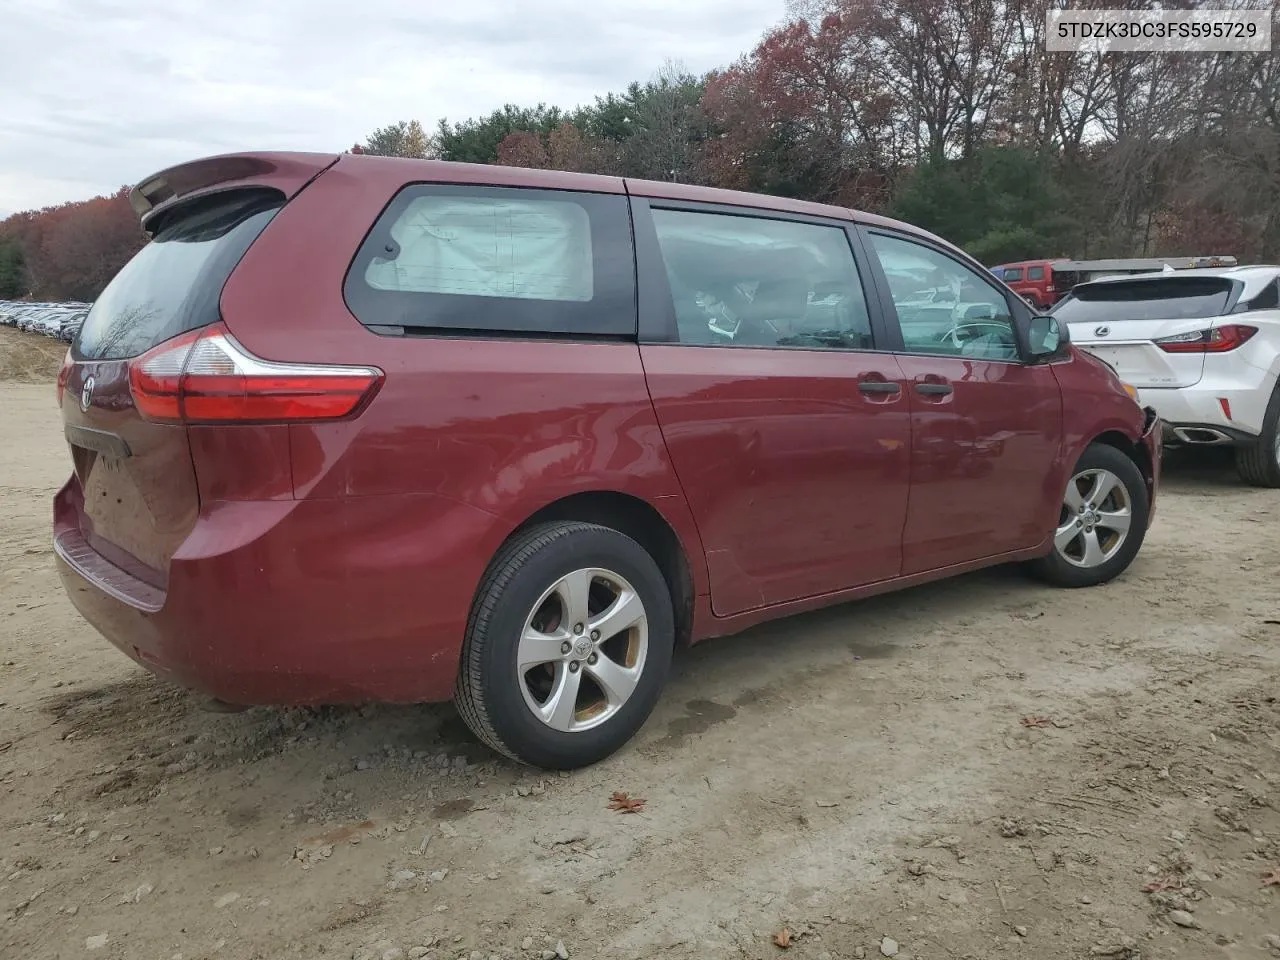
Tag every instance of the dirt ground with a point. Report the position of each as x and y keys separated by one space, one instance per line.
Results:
x=984 y=768
x=25 y=358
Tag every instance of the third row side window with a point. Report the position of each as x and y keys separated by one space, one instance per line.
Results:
x=753 y=282
x=498 y=260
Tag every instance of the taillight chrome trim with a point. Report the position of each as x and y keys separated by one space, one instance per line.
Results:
x=257 y=367
x=209 y=377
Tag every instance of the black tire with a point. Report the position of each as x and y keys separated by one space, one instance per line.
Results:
x=1259 y=463
x=1053 y=568
x=489 y=695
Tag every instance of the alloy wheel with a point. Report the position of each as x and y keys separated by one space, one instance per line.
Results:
x=582 y=650
x=1095 y=518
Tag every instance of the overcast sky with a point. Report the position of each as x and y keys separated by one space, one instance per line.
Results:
x=101 y=93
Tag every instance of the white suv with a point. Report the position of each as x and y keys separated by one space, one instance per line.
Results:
x=1201 y=346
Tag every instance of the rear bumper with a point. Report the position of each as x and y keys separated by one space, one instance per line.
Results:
x=1207 y=435
x=294 y=602
x=1185 y=410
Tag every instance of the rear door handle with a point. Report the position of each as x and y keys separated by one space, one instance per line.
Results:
x=934 y=389
x=878 y=386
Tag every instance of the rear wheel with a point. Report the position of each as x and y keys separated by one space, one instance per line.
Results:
x=1102 y=521
x=568 y=647
x=1259 y=463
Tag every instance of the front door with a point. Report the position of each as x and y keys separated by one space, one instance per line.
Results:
x=789 y=433
x=986 y=427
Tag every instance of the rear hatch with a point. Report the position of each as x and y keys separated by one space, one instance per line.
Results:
x=1136 y=324
x=139 y=485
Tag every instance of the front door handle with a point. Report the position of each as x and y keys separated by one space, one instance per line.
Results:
x=878 y=386
x=934 y=389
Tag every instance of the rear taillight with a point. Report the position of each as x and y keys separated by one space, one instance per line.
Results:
x=1214 y=340
x=64 y=373
x=207 y=377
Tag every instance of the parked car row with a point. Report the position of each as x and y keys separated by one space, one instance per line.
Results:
x=357 y=428
x=59 y=320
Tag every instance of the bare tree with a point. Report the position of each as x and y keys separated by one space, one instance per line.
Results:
x=669 y=126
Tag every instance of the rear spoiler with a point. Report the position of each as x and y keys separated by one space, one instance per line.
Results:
x=286 y=172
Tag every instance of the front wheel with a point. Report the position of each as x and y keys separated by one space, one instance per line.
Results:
x=1102 y=521
x=568 y=647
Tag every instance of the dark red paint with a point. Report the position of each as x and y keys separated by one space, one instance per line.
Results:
x=322 y=562
x=799 y=481
x=978 y=460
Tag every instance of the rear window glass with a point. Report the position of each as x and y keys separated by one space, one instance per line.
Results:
x=498 y=259
x=1012 y=273
x=1180 y=298
x=1035 y=273
x=1268 y=299
x=174 y=283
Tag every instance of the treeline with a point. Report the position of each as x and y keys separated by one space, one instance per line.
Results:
x=947 y=113
x=68 y=252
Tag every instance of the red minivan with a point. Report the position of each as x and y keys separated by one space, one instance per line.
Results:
x=355 y=428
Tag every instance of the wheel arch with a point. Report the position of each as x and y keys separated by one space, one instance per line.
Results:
x=1110 y=433
x=1133 y=450
x=642 y=522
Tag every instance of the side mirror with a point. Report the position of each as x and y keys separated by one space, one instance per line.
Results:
x=1048 y=337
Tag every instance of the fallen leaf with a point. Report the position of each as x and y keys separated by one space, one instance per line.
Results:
x=625 y=804
x=782 y=939
x=1036 y=721
x=1271 y=878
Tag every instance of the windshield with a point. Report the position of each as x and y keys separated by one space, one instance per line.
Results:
x=173 y=284
x=1171 y=298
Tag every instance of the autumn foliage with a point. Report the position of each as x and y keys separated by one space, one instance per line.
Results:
x=564 y=148
x=70 y=252
x=951 y=114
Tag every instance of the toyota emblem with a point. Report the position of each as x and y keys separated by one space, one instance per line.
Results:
x=1101 y=331
x=86 y=394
